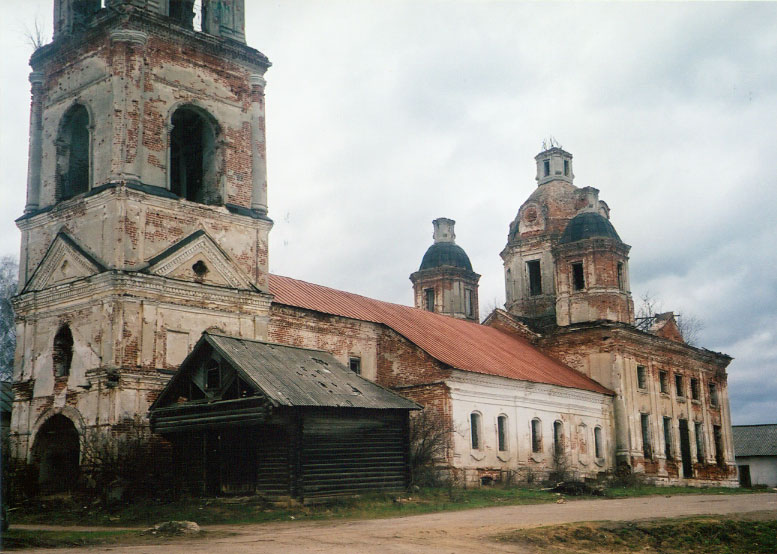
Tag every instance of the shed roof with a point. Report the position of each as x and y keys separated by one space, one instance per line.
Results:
x=293 y=376
x=455 y=342
x=755 y=440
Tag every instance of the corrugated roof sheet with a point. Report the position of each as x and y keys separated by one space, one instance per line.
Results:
x=6 y=396
x=755 y=440
x=460 y=344
x=292 y=376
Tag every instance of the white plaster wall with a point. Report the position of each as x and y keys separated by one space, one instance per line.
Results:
x=763 y=469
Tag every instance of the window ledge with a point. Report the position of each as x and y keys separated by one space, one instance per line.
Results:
x=477 y=454
x=504 y=456
x=537 y=456
x=599 y=461
x=680 y=398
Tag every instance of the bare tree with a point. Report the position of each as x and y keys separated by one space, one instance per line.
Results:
x=430 y=439
x=9 y=272
x=689 y=325
x=36 y=35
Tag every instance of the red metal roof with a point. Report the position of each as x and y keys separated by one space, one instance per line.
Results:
x=460 y=344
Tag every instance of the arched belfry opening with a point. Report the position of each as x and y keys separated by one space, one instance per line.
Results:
x=56 y=453
x=73 y=153
x=193 y=165
x=187 y=13
x=62 y=353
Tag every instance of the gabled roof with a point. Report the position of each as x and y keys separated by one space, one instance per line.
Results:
x=755 y=440
x=457 y=343
x=293 y=376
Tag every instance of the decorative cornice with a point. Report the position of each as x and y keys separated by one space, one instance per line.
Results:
x=128 y=35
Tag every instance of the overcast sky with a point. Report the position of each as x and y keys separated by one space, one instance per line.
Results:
x=384 y=115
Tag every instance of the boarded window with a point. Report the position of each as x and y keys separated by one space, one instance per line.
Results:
x=63 y=352
x=501 y=432
x=474 y=422
x=713 y=394
x=535 y=277
x=668 y=437
x=355 y=364
x=647 y=448
x=694 y=389
x=578 y=277
x=558 y=437
x=698 y=431
x=429 y=299
x=193 y=172
x=663 y=382
x=678 y=385
x=536 y=435
x=717 y=434
x=641 y=377
x=598 y=442
x=73 y=153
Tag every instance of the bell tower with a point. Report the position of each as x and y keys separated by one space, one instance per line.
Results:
x=146 y=216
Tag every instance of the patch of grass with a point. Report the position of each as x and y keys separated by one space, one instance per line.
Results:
x=696 y=535
x=649 y=490
x=15 y=539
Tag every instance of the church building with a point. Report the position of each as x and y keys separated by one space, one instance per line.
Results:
x=145 y=246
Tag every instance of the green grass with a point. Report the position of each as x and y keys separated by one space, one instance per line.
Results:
x=65 y=511
x=696 y=535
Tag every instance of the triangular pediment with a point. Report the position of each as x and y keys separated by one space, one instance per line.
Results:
x=198 y=258
x=65 y=261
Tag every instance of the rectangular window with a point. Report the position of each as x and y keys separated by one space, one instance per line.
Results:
x=535 y=277
x=566 y=168
x=647 y=449
x=668 y=437
x=578 y=277
x=536 y=435
x=678 y=385
x=546 y=167
x=621 y=280
x=429 y=299
x=641 y=377
x=468 y=303
x=501 y=432
x=718 y=436
x=694 y=388
x=598 y=442
x=474 y=423
x=558 y=437
x=699 y=442
x=713 y=394
x=355 y=363
x=213 y=377
x=663 y=382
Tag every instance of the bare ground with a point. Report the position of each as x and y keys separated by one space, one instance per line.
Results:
x=470 y=531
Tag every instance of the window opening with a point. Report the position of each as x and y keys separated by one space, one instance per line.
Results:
x=697 y=429
x=429 y=299
x=63 y=352
x=199 y=268
x=84 y=11
x=558 y=437
x=192 y=157
x=694 y=389
x=468 y=302
x=474 y=421
x=535 y=277
x=355 y=364
x=501 y=432
x=578 y=277
x=213 y=375
x=598 y=442
x=73 y=154
x=641 y=377
x=713 y=394
x=668 y=437
x=187 y=13
x=718 y=436
x=546 y=167
x=536 y=435
x=663 y=382
x=678 y=385
x=647 y=449
x=621 y=281
x=566 y=168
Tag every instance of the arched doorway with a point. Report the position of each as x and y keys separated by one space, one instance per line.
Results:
x=56 y=453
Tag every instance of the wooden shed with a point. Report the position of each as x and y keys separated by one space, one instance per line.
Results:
x=248 y=417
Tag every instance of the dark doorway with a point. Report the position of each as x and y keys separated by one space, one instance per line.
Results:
x=56 y=452
x=744 y=476
x=685 y=449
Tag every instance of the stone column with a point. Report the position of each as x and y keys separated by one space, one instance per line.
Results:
x=258 y=146
x=35 y=148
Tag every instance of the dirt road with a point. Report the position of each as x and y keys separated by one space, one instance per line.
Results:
x=452 y=532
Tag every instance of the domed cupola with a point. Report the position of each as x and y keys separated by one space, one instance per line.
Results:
x=445 y=282
x=586 y=225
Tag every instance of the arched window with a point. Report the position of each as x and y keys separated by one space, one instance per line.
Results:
x=501 y=432
x=598 y=442
x=193 y=167
x=73 y=153
x=63 y=352
x=474 y=422
x=558 y=437
x=187 y=13
x=536 y=435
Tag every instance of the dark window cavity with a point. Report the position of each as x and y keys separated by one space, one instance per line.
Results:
x=717 y=434
x=598 y=442
x=678 y=385
x=647 y=449
x=578 y=277
x=694 y=389
x=566 y=168
x=536 y=435
x=558 y=437
x=535 y=277
x=663 y=382
x=213 y=375
x=468 y=309
x=193 y=173
x=83 y=12
x=699 y=442
x=621 y=277
x=182 y=12
x=501 y=432
x=73 y=154
x=355 y=364
x=63 y=352
x=474 y=422
x=668 y=437
x=429 y=299
x=546 y=167
x=641 y=377
x=713 y=394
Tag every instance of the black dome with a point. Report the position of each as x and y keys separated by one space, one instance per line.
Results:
x=445 y=254
x=587 y=225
